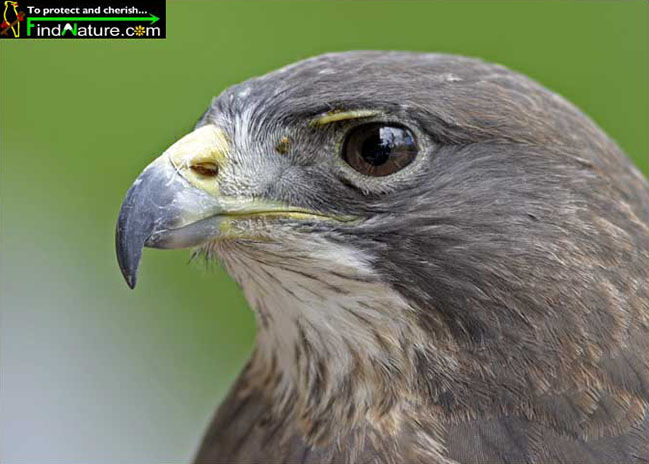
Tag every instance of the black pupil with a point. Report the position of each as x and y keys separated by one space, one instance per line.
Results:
x=380 y=143
x=377 y=149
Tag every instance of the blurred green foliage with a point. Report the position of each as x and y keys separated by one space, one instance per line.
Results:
x=93 y=372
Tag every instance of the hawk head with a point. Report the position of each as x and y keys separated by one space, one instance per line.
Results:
x=405 y=222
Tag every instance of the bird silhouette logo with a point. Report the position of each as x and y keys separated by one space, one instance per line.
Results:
x=11 y=19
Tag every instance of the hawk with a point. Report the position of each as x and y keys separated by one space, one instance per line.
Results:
x=448 y=263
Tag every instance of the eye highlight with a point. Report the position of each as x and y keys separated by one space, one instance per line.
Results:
x=379 y=149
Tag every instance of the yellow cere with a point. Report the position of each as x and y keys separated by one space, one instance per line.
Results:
x=206 y=146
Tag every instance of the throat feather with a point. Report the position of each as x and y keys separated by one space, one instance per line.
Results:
x=335 y=345
x=321 y=311
x=319 y=302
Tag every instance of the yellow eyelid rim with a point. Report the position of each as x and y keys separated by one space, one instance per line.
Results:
x=335 y=116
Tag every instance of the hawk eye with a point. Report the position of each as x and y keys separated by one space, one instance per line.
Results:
x=378 y=149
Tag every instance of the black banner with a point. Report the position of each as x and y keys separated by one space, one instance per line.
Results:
x=84 y=19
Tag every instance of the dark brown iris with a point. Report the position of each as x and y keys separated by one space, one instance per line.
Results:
x=378 y=150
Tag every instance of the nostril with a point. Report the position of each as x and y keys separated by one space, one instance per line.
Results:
x=205 y=169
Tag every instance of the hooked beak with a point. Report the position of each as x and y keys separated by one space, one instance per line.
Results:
x=162 y=210
x=175 y=204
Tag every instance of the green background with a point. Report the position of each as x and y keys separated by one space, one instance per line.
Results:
x=95 y=373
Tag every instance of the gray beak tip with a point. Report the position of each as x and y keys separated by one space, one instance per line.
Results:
x=131 y=281
x=134 y=225
x=129 y=276
x=128 y=257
